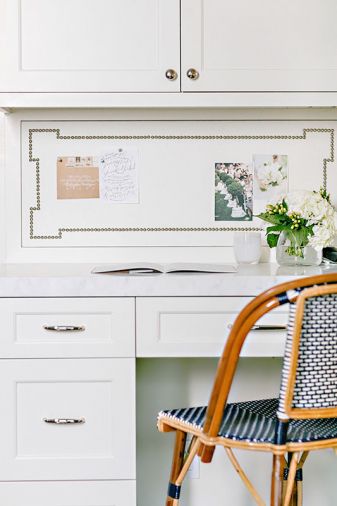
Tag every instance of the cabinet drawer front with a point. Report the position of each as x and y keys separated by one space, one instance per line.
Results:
x=88 y=493
x=40 y=396
x=84 y=493
x=67 y=327
x=199 y=326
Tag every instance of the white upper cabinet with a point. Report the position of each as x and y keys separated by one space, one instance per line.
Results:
x=89 y=45
x=259 y=45
x=123 y=46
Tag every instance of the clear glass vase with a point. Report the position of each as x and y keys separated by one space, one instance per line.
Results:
x=310 y=255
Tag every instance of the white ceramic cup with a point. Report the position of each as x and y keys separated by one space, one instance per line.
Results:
x=247 y=247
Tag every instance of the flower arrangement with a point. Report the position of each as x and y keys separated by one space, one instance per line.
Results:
x=308 y=217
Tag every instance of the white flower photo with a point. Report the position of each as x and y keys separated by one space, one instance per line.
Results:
x=270 y=178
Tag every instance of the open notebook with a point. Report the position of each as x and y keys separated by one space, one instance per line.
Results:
x=149 y=267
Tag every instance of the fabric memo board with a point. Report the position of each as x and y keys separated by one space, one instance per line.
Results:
x=176 y=162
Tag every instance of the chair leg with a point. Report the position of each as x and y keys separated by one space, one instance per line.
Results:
x=277 y=480
x=298 y=486
x=290 y=492
x=299 y=493
x=180 y=466
x=177 y=463
x=258 y=500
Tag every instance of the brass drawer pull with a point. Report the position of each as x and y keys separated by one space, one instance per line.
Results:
x=64 y=421
x=64 y=328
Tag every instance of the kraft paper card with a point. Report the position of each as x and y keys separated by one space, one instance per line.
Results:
x=77 y=177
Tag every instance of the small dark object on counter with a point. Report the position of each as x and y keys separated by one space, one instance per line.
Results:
x=330 y=254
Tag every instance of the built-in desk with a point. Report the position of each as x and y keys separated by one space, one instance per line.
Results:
x=68 y=351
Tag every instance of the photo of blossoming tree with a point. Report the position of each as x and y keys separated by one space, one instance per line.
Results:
x=233 y=192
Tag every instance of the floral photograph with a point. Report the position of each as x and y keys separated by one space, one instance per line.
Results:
x=270 y=178
x=233 y=192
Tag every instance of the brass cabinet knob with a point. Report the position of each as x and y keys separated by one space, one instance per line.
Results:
x=192 y=74
x=171 y=74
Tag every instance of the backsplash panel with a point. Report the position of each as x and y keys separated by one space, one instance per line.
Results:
x=175 y=166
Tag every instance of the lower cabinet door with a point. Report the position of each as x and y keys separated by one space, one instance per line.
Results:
x=67 y=419
x=74 y=493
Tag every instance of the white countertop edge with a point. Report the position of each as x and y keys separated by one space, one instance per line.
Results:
x=76 y=280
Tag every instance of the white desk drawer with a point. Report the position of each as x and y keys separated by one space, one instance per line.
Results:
x=100 y=392
x=67 y=327
x=70 y=493
x=198 y=326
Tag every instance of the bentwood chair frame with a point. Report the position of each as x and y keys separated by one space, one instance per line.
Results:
x=288 y=457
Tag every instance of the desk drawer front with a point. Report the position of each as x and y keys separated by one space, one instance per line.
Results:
x=67 y=419
x=66 y=493
x=67 y=327
x=199 y=326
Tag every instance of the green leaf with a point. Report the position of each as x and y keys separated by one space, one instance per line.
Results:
x=275 y=228
x=301 y=236
x=272 y=240
x=275 y=219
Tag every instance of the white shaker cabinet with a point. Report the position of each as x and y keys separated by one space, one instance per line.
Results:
x=67 y=384
x=67 y=420
x=259 y=45
x=167 y=46
x=89 y=45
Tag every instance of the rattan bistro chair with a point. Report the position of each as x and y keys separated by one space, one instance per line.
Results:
x=301 y=420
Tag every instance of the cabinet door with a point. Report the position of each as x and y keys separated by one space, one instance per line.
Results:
x=259 y=45
x=67 y=419
x=89 y=45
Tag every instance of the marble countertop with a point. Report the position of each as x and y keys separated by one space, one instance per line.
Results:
x=76 y=280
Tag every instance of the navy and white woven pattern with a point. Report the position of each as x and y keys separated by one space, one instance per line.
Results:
x=254 y=421
x=316 y=378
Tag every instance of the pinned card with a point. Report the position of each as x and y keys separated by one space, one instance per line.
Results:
x=77 y=177
x=119 y=176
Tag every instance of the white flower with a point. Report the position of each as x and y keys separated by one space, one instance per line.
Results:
x=317 y=211
x=270 y=174
x=296 y=200
x=323 y=236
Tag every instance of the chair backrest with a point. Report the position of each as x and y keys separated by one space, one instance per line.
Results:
x=309 y=379
x=290 y=395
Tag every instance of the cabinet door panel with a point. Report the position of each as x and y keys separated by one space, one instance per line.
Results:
x=199 y=327
x=91 y=45
x=39 y=396
x=259 y=45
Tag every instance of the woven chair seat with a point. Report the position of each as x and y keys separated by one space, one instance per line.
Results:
x=254 y=421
